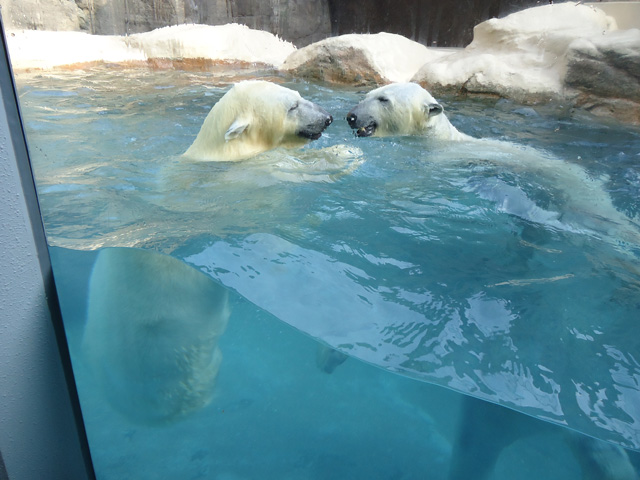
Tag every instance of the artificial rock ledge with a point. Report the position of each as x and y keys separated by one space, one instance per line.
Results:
x=567 y=52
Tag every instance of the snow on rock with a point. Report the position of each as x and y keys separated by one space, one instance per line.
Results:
x=520 y=56
x=30 y=49
x=361 y=59
x=231 y=42
x=567 y=52
x=39 y=49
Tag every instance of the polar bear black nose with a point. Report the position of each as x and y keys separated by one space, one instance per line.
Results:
x=351 y=119
x=328 y=121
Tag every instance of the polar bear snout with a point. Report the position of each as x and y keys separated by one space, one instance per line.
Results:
x=364 y=127
x=314 y=120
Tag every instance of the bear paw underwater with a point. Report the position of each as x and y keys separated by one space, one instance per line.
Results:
x=152 y=331
x=256 y=116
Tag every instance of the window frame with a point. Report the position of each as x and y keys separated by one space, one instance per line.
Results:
x=42 y=433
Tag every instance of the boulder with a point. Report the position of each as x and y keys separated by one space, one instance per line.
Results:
x=232 y=42
x=522 y=56
x=361 y=59
x=183 y=44
x=41 y=50
x=604 y=74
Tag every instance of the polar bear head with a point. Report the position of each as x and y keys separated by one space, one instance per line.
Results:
x=401 y=109
x=256 y=116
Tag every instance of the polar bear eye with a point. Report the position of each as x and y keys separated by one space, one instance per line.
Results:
x=294 y=106
x=383 y=99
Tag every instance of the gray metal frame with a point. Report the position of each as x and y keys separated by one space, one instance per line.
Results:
x=42 y=435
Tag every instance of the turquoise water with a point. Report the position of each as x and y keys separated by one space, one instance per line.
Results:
x=461 y=266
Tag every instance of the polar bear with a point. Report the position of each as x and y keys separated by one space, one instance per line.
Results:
x=486 y=430
x=255 y=116
x=408 y=109
x=151 y=335
x=402 y=109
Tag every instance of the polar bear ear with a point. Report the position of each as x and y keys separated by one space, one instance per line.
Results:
x=236 y=129
x=433 y=109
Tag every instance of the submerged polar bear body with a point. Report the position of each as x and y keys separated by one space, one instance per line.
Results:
x=151 y=337
x=255 y=116
x=408 y=109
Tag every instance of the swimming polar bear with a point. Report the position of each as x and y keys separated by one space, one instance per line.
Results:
x=256 y=116
x=487 y=429
x=402 y=109
x=408 y=109
x=237 y=152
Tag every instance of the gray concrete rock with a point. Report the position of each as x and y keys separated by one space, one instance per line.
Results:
x=361 y=59
x=606 y=66
x=603 y=75
x=300 y=21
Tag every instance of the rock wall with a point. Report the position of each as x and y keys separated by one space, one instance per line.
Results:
x=300 y=21
x=605 y=73
x=42 y=15
x=430 y=22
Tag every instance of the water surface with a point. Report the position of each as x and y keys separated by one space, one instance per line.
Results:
x=456 y=265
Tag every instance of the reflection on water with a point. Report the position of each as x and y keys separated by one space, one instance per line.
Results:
x=445 y=264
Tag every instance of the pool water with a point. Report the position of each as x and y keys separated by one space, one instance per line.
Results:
x=458 y=266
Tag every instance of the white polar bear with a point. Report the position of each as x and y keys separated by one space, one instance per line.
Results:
x=402 y=109
x=153 y=324
x=408 y=109
x=256 y=116
x=486 y=430
x=249 y=123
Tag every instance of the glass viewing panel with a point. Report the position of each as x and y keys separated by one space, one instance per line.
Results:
x=358 y=307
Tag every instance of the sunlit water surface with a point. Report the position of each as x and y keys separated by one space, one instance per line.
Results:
x=434 y=261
